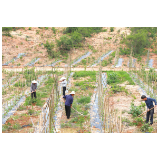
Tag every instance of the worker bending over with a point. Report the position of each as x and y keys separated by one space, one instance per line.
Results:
x=149 y=104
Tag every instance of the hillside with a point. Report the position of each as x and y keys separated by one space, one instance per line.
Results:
x=31 y=40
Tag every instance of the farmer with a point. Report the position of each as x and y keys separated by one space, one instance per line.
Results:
x=68 y=103
x=149 y=103
x=33 y=88
x=64 y=84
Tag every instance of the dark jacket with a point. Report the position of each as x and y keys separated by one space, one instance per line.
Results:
x=149 y=102
x=69 y=100
x=33 y=87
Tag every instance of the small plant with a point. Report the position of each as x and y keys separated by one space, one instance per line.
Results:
x=29 y=28
x=16 y=126
x=135 y=110
x=18 y=64
x=30 y=111
x=46 y=28
x=147 y=128
x=16 y=46
x=54 y=30
x=111 y=29
x=84 y=100
x=37 y=31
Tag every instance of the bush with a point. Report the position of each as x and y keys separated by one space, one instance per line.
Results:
x=84 y=100
x=64 y=44
x=29 y=28
x=116 y=88
x=76 y=39
x=112 y=78
x=7 y=30
x=54 y=30
x=111 y=29
x=49 y=47
x=135 y=110
x=84 y=61
x=139 y=39
x=146 y=128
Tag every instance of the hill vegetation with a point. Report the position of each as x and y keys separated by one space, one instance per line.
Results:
x=141 y=39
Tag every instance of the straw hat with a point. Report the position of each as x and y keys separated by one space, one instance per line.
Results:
x=63 y=78
x=34 y=81
x=73 y=92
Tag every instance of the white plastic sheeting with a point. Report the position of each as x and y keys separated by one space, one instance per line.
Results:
x=84 y=56
x=101 y=58
x=14 y=59
x=119 y=64
x=95 y=119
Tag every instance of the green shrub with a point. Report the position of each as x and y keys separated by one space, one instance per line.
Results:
x=64 y=44
x=112 y=78
x=7 y=30
x=19 y=84
x=54 y=30
x=37 y=31
x=135 y=110
x=111 y=29
x=16 y=126
x=50 y=47
x=29 y=28
x=84 y=100
x=84 y=61
x=76 y=39
x=147 y=128
x=30 y=111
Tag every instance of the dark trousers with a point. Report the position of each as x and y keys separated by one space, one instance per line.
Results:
x=150 y=114
x=68 y=111
x=64 y=89
x=33 y=93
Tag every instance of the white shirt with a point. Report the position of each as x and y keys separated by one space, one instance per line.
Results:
x=64 y=83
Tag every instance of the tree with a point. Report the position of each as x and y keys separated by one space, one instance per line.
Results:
x=76 y=38
x=49 y=47
x=7 y=30
x=65 y=44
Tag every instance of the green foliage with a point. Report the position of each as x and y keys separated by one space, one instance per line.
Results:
x=46 y=28
x=29 y=28
x=140 y=38
x=112 y=78
x=116 y=88
x=105 y=63
x=84 y=61
x=115 y=77
x=37 y=31
x=76 y=39
x=50 y=47
x=64 y=44
x=91 y=74
x=84 y=100
x=111 y=29
x=16 y=126
x=54 y=30
x=30 y=111
x=19 y=84
x=135 y=110
x=147 y=128
x=7 y=30
x=70 y=30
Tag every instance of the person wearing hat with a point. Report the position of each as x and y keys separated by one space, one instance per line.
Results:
x=68 y=103
x=64 y=84
x=150 y=111
x=33 y=88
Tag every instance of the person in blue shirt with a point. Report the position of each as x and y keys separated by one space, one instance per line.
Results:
x=68 y=103
x=149 y=104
